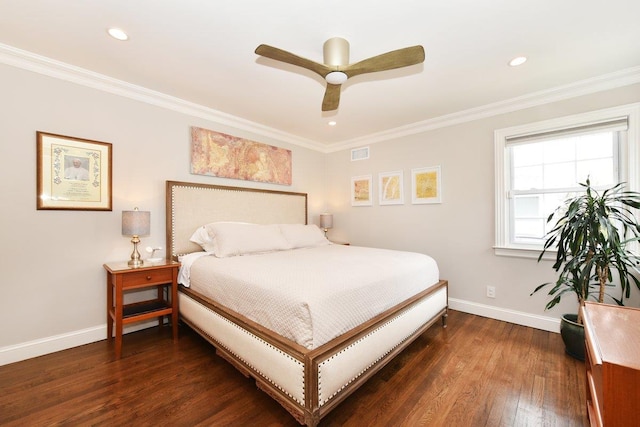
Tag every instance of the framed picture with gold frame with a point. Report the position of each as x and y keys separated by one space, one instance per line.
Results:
x=361 y=190
x=426 y=185
x=73 y=173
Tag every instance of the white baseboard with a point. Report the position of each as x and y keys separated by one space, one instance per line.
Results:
x=30 y=349
x=545 y=323
x=39 y=347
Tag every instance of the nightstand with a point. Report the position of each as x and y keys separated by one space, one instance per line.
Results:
x=122 y=278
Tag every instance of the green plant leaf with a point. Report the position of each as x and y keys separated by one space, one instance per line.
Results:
x=591 y=240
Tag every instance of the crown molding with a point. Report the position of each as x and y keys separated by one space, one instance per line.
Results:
x=19 y=58
x=613 y=80
x=40 y=64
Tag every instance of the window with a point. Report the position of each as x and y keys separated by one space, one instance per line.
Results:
x=540 y=165
x=544 y=173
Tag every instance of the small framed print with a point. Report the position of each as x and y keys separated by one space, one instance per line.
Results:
x=361 y=188
x=426 y=185
x=73 y=173
x=390 y=188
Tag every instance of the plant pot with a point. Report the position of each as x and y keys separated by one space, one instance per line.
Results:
x=572 y=336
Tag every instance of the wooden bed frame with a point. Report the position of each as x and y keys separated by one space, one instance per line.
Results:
x=307 y=383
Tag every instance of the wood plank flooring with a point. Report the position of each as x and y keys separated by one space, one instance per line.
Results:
x=476 y=372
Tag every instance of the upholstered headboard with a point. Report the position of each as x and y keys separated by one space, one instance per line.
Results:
x=191 y=205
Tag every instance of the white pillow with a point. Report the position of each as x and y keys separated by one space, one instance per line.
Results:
x=303 y=236
x=201 y=237
x=205 y=237
x=232 y=239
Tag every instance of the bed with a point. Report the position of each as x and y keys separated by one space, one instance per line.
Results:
x=308 y=371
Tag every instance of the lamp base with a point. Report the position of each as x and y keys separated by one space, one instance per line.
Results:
x=135 y=261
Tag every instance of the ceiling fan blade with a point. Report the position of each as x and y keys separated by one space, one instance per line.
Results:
x=289 y=58
x=331 y=97
x=386 y=61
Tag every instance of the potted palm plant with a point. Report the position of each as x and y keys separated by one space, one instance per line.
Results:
x=591 y=236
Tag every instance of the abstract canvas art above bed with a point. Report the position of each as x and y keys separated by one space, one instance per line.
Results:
x=218 y=154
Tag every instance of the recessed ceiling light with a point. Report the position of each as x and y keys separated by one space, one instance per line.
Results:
x=519 y=60
x=332 y=123
x=117 y=33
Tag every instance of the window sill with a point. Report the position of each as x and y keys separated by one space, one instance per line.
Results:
x=523 y=252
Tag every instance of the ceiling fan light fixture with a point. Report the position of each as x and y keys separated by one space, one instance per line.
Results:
x=336 y=77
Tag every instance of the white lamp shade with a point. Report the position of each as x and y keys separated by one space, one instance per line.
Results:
x=136 y=223
x=326 y=220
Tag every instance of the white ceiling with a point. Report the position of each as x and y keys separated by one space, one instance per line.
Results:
x=203 y=52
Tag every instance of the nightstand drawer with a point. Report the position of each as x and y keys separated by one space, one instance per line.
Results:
x=147 y=277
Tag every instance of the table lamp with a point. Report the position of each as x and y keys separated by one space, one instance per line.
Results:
x=135 y=223
x=326 y=222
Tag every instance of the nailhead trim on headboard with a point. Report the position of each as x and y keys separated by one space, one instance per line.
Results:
x=193 y=205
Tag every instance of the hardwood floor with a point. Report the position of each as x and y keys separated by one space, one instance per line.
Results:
x=476 y=372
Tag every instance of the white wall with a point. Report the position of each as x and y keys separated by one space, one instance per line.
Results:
x=53 y=283
x=459 y=233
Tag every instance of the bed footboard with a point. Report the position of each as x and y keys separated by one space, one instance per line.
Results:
x=336 y=370
x=310 y=383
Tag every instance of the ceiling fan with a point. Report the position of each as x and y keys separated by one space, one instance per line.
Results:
x=336 y=68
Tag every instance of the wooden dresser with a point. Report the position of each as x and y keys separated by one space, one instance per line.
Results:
x=612 y=359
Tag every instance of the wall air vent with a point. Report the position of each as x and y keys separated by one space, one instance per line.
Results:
x=360 y=154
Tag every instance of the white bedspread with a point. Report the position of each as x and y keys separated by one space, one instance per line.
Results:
x=311 y=295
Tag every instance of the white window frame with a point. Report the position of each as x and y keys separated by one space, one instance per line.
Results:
x=629 y=167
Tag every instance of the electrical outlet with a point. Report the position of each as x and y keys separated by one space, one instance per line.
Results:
x=491 y=291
